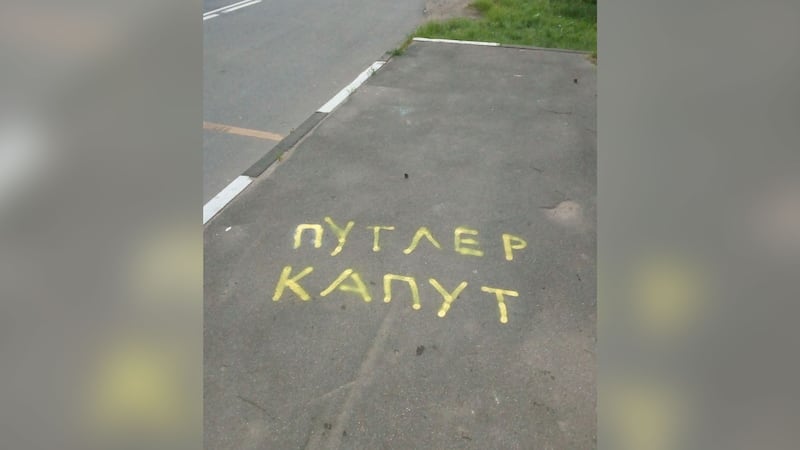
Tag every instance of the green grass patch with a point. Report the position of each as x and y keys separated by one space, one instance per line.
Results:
x=402 y=49
x=565 y=24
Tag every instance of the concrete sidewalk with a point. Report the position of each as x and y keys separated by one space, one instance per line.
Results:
x=419 y=272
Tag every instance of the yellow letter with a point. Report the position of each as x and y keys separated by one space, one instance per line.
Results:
x=377 y=230
x=341 y=233
x=467 y=241
x=291 y=283
x=387 y=288
x=519 y=244
x=417 y=236
x=298 y=234
x=358 y=286
x=499 y=293
x=448 y=298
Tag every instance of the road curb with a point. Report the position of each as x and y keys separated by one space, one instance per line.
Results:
x=496 y=44
x=284 y=145
x=213 y=207
x=311 y=122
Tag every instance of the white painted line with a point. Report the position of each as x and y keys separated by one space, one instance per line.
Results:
x=450 y=41
x=210 y=17
x=344 y=93
x=253 y=2
x=219 y=201
x=225 y=7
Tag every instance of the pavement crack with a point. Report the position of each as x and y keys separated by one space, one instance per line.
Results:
x=362 y=380
x=330 y=393
x=252 y=403
x=557 y=112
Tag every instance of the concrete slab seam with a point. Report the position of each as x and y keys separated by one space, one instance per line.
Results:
x=225 y=196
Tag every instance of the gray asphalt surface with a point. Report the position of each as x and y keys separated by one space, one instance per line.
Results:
x=472 y=143
x=268 y=66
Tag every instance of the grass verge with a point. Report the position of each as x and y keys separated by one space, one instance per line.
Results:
x=564 y=24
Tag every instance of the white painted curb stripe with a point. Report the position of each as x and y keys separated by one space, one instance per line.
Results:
x=210 y=17
x=344 y=93
x=225 y=7
x=241 y=6
x=219 y=201
x=236 y=186
x=450 y=41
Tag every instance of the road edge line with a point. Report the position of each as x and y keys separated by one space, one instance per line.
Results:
x=243 y=5
x=224 y=7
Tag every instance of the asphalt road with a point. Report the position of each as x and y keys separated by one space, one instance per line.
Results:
x=269 y=65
